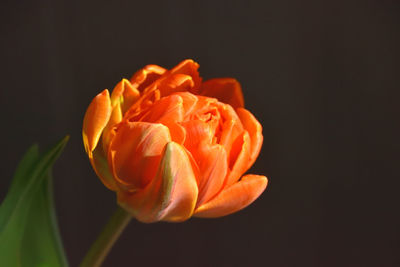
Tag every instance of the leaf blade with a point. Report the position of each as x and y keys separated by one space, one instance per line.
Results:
x=30 y=200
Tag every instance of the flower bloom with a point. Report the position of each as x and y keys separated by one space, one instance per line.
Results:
x=172 y=146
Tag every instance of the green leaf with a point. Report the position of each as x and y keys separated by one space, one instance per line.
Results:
x=29 y=234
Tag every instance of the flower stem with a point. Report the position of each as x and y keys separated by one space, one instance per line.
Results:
x=102 y=246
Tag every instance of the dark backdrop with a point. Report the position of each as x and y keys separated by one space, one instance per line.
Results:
x=321 y=76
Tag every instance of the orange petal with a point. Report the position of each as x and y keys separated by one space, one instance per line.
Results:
x=241 y=148
x=144 y=103
x=109 y=130
x=124 y=94
x=146 y=76
x=168 y=111
x=175 y=83
x=172 y=194
x=234 y=198
x=96 y=118
x=213 y=167
x=232 y=128
x=197 y=132
x=188 y=67
x=135 y=152
x=100 y=166
x=226 y=90
x=254 y=129
x=189 y=101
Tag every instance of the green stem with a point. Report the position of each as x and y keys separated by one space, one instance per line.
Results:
x=102 y=246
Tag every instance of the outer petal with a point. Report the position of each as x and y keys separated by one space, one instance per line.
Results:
x=96 y=118
x=172 y=194
x=241 y=148
x=100 y=166
x=234 y=198
x=254 y=129
x=226 y=90
x=109 y=130
x=212 y=162
x=135 y=152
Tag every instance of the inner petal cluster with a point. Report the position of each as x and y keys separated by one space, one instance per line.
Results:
x=210 y=131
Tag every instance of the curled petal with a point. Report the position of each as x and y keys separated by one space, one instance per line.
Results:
x=143 y=104
x=232 y=128
x=226 y=90
x=135 y=152
x=213 y=167
x=240 y=151
x=100 y=166
x=96 y=118
x=188 y=67
x=125 y=95
x=175 y=83
x=172 y=194
x=189 y=101
x=234 y=198
x=168 y=111
x=146 y=76
x=109 y=130
x=254 y=129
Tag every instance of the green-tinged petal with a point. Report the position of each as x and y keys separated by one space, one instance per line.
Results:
x=172 y=194
x=135 y=153
x=100 y=165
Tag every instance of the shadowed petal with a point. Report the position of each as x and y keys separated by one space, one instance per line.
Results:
x=172 y=194
x=100 y=166
x=96 y=118
x=109 y=130
x=234 y=198
x=226 y=90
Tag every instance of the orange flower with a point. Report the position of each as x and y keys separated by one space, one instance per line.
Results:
x=172 y=146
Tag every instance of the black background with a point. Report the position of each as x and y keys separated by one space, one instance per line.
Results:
x=321 y=76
